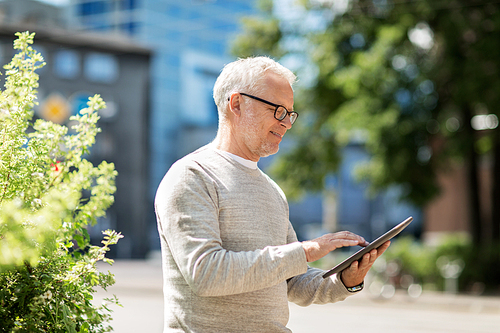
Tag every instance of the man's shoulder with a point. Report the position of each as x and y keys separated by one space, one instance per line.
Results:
x=187 y=170
x=203 y=162
x=199 y=157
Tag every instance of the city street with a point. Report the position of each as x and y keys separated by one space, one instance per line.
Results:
x=138 y=286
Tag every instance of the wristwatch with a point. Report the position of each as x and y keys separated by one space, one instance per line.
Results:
x=359 y=287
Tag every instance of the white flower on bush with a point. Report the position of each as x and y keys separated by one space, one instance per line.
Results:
x=46 y=296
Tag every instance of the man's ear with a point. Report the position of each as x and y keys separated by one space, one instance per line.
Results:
x=235 y=104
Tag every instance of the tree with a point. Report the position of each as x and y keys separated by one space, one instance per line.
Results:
x=405 y=77
x=49 y=194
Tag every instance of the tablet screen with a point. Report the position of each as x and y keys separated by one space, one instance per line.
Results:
x=373 y=245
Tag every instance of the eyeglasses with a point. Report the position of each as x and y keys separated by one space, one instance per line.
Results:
x=280 y=112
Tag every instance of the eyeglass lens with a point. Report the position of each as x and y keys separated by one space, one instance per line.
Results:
x=281 y=113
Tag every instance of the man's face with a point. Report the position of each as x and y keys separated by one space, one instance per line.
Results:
x=260 y=131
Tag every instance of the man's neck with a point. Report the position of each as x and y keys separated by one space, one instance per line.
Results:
x=232 y=146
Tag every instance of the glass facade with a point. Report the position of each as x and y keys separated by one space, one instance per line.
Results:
x=190 y=41
x=93 y=8
x=107 y=15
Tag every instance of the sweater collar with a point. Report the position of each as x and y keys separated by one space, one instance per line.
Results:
x=243 y=161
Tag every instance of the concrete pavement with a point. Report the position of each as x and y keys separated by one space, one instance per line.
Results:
x=139 y=288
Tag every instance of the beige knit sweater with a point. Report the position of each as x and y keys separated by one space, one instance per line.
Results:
x=231 y=259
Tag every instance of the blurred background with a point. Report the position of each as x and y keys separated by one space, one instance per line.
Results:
x=398 y=104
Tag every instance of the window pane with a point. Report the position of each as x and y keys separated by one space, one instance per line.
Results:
x=101 y=67
x=67 y=64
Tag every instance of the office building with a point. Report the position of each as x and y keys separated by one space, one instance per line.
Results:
x=79 y=65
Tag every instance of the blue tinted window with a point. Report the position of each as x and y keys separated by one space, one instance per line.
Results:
x=173 y=60
x=129 y=4
x=101 y=67
x=173 y=36
x=174 y=11
x=67 y=64
x=91 y=8
x=217 y=47
x=130 y=27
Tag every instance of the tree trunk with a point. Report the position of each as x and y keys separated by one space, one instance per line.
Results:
x=475 y=215
x=495 y=202
x=473 y=181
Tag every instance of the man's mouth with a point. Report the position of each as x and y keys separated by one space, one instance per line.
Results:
x=277 y=134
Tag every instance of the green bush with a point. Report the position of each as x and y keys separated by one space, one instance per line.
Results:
x=48 y=268
x=481 y=265
x=414 y=259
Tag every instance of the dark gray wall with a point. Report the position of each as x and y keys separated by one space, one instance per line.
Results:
x=124 y=136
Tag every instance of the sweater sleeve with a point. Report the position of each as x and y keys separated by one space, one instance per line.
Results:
x=311 y=288
x=186 y=205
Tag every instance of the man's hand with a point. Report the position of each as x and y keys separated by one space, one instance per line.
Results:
x=319 y=247
x=355 y=274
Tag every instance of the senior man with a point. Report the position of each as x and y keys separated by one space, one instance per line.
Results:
x=231 y=259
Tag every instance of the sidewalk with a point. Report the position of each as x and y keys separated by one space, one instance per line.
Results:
x=139 y=288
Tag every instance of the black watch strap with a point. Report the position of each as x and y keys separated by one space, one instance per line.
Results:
x=354 y=289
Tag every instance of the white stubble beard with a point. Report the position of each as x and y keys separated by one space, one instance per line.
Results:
x=263 y=148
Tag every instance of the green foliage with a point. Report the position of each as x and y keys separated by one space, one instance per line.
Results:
x=404 y=79
x=49 y=194
x=481 y=265
x=353 y=98
x=260 y=34
x=414 y=258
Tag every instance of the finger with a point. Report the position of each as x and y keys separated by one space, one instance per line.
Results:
x=354 y=266
x=373 y=256
x=366 y=262
x=368 y=259
x=345 y=242
x=341 y=239
x=346 y=235
x=382 y=248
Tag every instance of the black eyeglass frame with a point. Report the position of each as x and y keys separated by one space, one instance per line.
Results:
x=276 y=106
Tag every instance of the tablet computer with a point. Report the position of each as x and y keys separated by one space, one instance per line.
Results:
x=373 y=245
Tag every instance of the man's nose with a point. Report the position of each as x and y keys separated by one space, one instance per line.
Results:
x=286 y=122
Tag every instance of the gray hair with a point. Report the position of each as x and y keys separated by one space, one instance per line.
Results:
x=246 y=75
